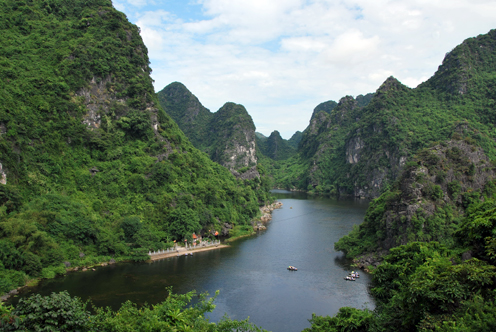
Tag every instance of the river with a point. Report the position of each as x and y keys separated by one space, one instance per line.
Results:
x=251 y=274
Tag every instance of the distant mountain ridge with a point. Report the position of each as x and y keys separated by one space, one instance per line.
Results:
x=275 y=147
x=360 y=146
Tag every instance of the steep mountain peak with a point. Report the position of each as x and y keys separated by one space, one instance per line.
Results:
x=326 y=107
x=181 y=104
x=178 y=87
x=260 y=135
x=295 y=140
x=231 y=137
x=364 y=100
x=464 y=64
x=227 y=136
x=391 y=84
x=347 y=102
x=233 y=108
x=275 y=134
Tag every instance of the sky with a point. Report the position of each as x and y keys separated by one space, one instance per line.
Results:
x=281 y=58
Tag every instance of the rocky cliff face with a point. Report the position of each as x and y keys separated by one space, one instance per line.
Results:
x=426 y=202
x=374 y=162
x=324 y=139
x=227 y=136
x=353 y=148
x=431 y=192
x=3 y=175
x=232 y=137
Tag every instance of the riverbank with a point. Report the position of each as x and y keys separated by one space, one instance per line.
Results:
x=266 y=211
x=181 y=251
x=256 y=224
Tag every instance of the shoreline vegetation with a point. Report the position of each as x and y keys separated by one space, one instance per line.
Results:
x=238 y=233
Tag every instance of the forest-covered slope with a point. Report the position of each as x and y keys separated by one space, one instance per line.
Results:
x=295 y=140
x=227 y=136
x=430 y=241
x=430 y=238
x=92 y=167
x=275 y=147
x=359 y=150
x=429 y=199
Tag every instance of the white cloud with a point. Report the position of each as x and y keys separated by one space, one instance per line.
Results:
x=138 y=3
x=281 y=58
x=119 y=6
x=351 y=48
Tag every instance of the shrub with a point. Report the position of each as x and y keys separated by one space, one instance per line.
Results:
x=32 y=264
x=11 y=279
x=57 y=312
x=53 y=271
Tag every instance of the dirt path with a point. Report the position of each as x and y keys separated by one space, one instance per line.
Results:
x=182 y=251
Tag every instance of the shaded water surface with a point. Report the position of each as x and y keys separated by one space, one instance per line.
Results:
x=251 y=275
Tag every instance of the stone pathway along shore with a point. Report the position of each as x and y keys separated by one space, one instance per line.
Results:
x=181 y=251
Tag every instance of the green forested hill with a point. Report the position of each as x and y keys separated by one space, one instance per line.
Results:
x=430 y=241
x=227 y=136
x=430 y=238
x=359 y=150
x=94 y=168
x=326 y=107
x=295 y=140
x=275 y=147
x=187 y=111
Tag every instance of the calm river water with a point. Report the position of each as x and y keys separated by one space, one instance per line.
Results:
x=251 y=275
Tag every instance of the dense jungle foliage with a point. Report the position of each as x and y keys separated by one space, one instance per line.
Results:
x=60 y=312
x=95 y=169
x=360 y=150
x=429 y=239
x=428 y=200
x=435 y=229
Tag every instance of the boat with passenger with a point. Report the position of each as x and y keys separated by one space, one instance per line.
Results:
x=352 y=276
x=292 y=268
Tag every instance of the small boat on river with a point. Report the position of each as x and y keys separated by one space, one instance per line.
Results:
x=352 y=276
x=292 y=268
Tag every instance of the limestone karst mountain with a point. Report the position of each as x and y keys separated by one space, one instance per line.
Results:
x=227 y=136
x=90 y=162
x=359 y=146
